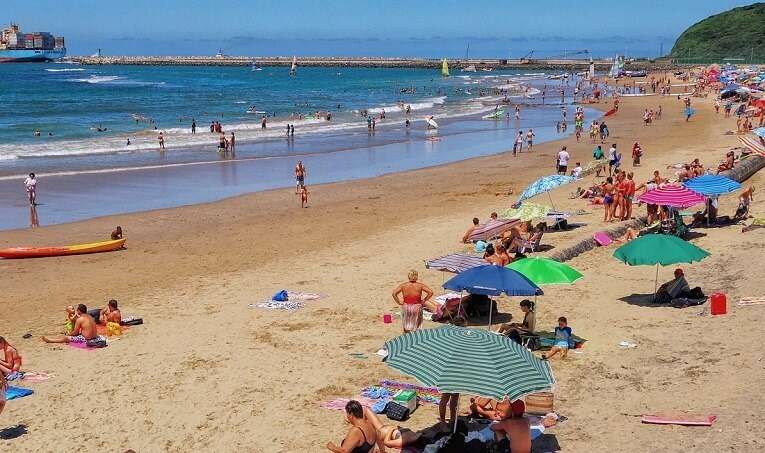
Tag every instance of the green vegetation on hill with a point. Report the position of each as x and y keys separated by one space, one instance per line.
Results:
x=738 y=33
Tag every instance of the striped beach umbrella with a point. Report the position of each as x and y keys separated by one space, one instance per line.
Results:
x=492 y=229
x=673 y=196
x=472 y=361
x=712 y=185
x=455 y=263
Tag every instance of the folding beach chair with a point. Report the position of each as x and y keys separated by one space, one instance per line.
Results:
x=532 y=244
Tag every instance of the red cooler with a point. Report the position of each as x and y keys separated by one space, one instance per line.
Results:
x=719 y=305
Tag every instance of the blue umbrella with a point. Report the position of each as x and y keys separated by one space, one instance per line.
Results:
x=760 y=132
x=544 y=184
x=712 y=185
x=491 y=280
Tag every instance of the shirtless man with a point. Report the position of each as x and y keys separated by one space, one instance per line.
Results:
x=299 y=176
x=514 y=427
x=10 y=360
x=84 y=329
x=109 y=314
x=470 y=230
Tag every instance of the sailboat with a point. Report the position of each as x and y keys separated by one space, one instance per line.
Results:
x=293 y=68
x=444 y=68
x=469 y=68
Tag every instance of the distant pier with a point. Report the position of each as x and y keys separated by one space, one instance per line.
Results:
x=362 y=62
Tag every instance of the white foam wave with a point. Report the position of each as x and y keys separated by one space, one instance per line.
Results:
x=66 y=70
x=425 y=104
x=97 y=79
x=115 y=80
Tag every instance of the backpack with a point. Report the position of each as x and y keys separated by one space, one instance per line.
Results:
x=397 y=412
x=281 y=296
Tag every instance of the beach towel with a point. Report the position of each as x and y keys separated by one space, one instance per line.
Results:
x=31 y=376
x=303 y=296
x=602 y=238
x=425 y=395
x=83 y=346
x=274 y=305
x=685 y=420
x=13 y=393
x=338 y=404
x=746 y=301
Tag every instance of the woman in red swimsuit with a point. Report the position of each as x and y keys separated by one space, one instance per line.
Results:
x=412 y=303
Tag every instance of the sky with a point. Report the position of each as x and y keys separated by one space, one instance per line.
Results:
x=415 y=28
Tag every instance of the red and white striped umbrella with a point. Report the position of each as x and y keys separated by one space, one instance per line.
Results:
x=674 y=196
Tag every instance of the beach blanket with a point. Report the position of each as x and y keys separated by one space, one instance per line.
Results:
x=425 y=395
x=13 y=393
x=338 y=404
x=275 y=305
x=31 y=376
x=746 y=301
x=83 y=346
x=685 y=420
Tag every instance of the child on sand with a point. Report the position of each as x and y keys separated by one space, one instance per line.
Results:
x=303 y=197
x=562 y=343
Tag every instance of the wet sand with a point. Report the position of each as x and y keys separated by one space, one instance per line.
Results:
x=206 y=371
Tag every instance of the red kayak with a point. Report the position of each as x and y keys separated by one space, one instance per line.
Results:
x=79 y=249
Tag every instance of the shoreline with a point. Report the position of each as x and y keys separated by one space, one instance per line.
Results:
x=390 y=150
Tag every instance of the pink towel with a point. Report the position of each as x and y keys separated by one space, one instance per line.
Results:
x=602 y=238
x=685 y=420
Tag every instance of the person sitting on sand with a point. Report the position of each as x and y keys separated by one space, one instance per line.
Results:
x=677 y=287
x=730 y=160
x=361 y=437
x=562 y=343
x=412 y=303
x=501 y=252
x=84 y=329
x=10 y=360
x=117 y=233
x=491 y=256
x=515 y=330
x=744 y=200
x=628 y=235
x=110 y=313
x=466 y=236
x=513 y=427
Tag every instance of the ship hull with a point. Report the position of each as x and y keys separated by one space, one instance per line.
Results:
x=31 y=55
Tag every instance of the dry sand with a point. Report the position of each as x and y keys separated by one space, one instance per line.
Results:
x=208 y=372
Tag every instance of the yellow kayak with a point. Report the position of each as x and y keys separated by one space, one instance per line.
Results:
x=78 y=249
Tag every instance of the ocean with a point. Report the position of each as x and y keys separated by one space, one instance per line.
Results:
x=69 y=103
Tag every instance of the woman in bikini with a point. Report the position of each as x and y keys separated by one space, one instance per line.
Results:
x=608 y=198
x=361 y=437
x=412 y=303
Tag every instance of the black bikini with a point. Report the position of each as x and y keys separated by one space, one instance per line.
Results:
x=366 y=447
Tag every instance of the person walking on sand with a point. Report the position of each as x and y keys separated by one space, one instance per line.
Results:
x=299 y=176
x=31 y=186
x=562 y=162
x=530 y=139
x=518 y=145
x=193 y=126
x=412 y=301
x=161 y=139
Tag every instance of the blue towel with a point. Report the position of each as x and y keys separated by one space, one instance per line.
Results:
x=17 y=392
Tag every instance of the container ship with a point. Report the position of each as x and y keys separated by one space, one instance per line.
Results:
x=16 y=46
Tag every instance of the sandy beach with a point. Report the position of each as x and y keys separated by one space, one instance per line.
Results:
x=206 y=371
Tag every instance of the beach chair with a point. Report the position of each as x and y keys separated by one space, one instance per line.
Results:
x=451 y=305
x=753 y=145
x=532 y=244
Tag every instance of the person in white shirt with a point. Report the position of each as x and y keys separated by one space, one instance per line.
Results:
x=577 y=171
x=611 y=158
x=563 y=158
x=31 y=185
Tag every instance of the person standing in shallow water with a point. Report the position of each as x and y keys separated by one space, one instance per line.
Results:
x=30 y=184
x=412 y=303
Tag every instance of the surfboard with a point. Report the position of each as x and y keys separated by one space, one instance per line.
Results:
x=431 y=123
x=495 y=115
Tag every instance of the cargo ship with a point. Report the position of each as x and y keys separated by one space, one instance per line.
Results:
x=16 y=46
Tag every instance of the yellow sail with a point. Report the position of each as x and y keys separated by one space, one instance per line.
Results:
x=445 y=68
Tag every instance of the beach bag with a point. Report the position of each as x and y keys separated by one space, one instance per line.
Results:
x=397 y=412
x=97 y=342
x=281 y=296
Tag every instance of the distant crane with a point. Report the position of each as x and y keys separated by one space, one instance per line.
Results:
x=564 y=54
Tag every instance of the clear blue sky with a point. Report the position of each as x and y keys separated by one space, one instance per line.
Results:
x=344 y=27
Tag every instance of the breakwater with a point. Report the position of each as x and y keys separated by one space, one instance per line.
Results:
x=365 y=62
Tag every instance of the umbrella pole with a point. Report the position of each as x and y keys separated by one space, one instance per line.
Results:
x=491 y=306
x=551 y=202
x=454 y=430
x=656 y=281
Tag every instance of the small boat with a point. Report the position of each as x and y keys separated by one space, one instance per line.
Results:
x=470 y=68
x=293 y=68
x=79 y=249
x=444 y=68
x=255 y=66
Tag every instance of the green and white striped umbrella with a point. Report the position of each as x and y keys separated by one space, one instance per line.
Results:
x=472 y=361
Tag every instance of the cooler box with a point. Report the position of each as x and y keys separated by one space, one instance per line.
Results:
x=406 y=398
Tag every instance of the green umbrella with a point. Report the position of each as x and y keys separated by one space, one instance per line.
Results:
x=659 y=249
x=527 y=211
x=473 y=361
x=545 y=271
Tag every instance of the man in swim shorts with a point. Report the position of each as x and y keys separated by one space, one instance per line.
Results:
x=84 y=329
